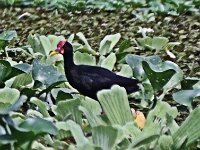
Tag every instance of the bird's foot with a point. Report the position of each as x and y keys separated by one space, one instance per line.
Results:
x=139 y=118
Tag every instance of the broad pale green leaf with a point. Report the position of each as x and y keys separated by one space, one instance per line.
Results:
x=46 y=74
x=22 y=99
x=159 y=43
x=54 y=41
x=105 y=47
x=63 y=130
x=71 y=38
x=50 y=42
x=22 y=80
x=165 y=142
x=8 y=96
x=87 y=146
x=8 y=35
x=115 y=104
x=35 y=43
x=126 y=71
x=46 y=45
x=104 y=137
x=77 y=133
x=92 y=105
x=190 y=128
x=23 y=67
x=33 y=113
x=84 y=59
x=109 y=61
x=82 y=37
x=160 y=112
x=186 y=97
x=145 y=42
x=69 y=109
x=87 y=46
x=42 y=106
x=143 y=140
x=38 y=126
x=92 y=118
x=110 y=41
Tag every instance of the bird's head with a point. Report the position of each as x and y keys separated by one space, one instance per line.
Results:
x=59 y=49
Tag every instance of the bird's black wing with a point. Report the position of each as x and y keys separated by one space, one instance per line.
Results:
x=88 y=80
x=96 y=78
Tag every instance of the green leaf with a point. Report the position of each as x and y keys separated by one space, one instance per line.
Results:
x=190 y=128
x=135 y=62
x=165 y=142
x=5 y=70
x=92 y=118
x=63 y=130
x=69 y=109
x=8 y=35
x=176 y=78
x=54 y=41
x=49 y=43
x=109 y=61
x=104 y=137
x=158 y=117
x=22 y=80
x=8 y=97
x=87 y=46
x=35 y=43
x=44 y=44
x=188 y=83
x=145 y=42
x=144 y=139
x=124 y=45
x=108 y=43
x=46 y=74
x=38 y=126
x=84 y=59
x=159 y=43
x=126 y=71
x=115 y=104
x=158 y=77
x=42 y=106
x=185 y=97
x=24 y=67
x=92 y=105
x=77 y=133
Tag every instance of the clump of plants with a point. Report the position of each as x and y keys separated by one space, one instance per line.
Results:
x=38 y=104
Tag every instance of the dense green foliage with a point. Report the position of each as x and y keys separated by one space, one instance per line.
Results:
x=44 y=90
x=165 y=6
x=40 y=110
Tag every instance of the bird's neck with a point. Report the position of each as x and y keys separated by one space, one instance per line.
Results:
x=68 y=60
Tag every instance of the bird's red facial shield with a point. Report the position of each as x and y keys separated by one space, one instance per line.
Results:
x=59 y=49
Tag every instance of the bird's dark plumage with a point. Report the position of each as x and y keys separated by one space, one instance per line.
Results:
x=88 y=80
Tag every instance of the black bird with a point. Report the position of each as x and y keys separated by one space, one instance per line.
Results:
x=88 y=80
